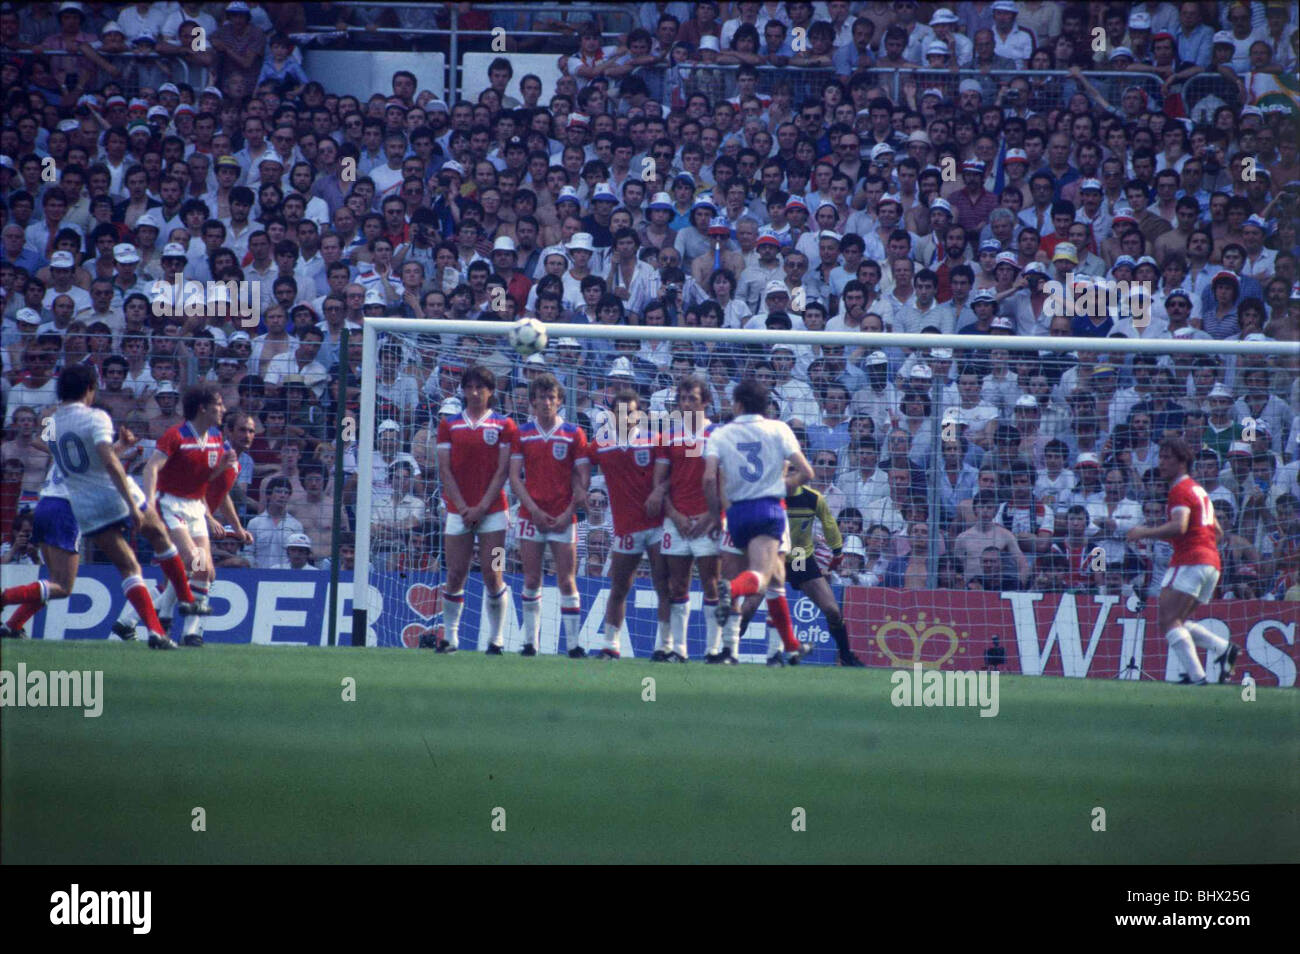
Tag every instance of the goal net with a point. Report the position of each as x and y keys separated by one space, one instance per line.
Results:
x=980 y=487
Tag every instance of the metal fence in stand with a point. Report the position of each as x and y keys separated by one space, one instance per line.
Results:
x=550 y=29
x=1206 y=92
x=137 y=71
x=1048 y=89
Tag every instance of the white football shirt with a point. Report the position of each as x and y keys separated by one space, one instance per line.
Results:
x=752 y=451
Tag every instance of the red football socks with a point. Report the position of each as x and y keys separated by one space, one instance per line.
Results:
x=747 y=584
x=143 y=603
x=27 y=593
x=174 y=569
x=778 y=615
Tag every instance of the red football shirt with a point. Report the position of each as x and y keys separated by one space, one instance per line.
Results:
x=219 y=486
x=1199 y=545
x=191 y=460
x=475 y=450
x=549 y=459
x=630 y=477
x=685 y=456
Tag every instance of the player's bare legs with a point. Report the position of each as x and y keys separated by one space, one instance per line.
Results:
x=115 y=545
x=1173 y=611
x=492 y=561
x=710 y=569
x=622 y=571
x=459 y=550
x=659 y=576
x=62 y=566
x=531 y=553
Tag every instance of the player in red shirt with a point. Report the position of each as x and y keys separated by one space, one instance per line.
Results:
x=549 y=472
x=176 y=482
x=689 y=534
x=1194 y=570
x=625 y=453
x=473 y=459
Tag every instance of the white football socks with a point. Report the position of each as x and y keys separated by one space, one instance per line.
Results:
x=1181 y=644
x=712 y=631
x=453 y=604
x=1205 y=639
x=496 y=615
x=679 y=616
x=571 y=618
x=532 y=616
x=193 y=625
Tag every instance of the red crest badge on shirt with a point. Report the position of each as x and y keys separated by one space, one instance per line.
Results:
x=560 y=450
x=642 y=457
x=490 y=436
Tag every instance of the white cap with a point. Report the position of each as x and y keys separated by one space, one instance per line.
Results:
x=1221 y=391
x=63 y=259
x=1087 y=457
x=536 y=359
x=388 y=425
x=28 y=316
x=941 y=354
x=174 y=250
x=166 y=388
x=504 y=243
x=709 y=42
x=621 y=368
x=374 y=297
x=943 y=15
x=451 y=406
x=149 y=220
x=581 y=240
x=298 y=540
x=922 y=372
x=853 y=544
x=775 y=287
x=1026 y=401
x=877 y=357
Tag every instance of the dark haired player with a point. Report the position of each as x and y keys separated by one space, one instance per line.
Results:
x=88 y=488
x=1194 y=570
x=549 y=472
x=626 y=459
x=176 y=477
x=473 y=460
x=751 y=453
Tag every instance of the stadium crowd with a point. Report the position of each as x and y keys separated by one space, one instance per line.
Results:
x=774 y=165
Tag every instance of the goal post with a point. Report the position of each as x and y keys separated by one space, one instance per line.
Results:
x=933 y=614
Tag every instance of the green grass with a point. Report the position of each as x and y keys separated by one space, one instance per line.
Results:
x=587 y=772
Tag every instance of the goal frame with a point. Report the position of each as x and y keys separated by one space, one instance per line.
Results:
x=374 y=326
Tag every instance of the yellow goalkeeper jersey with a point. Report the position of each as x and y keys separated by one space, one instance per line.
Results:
x=803 y=507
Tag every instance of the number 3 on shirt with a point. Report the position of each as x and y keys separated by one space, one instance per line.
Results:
x=1207 y=506
x=753 y=468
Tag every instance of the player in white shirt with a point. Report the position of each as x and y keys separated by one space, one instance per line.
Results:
x=751 y=453
x=88 y=489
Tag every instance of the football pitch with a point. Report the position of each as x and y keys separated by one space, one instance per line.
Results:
x=437 y=753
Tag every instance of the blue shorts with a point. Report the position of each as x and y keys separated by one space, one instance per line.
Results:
x=53 y=524
x=761 y=517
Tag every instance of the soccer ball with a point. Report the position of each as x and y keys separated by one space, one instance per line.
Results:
x=528 y=336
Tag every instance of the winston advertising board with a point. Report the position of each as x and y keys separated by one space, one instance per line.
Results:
x=1030 y=633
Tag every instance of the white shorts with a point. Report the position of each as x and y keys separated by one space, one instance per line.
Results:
x=105 y=508
x=637 y=543
x=492 y=522
x=530 y=532
x=1198 y=581
x=728 y=546
x=705 y=545
x=180 y=512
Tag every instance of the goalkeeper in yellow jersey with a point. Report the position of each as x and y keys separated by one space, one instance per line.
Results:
x=802 y=506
